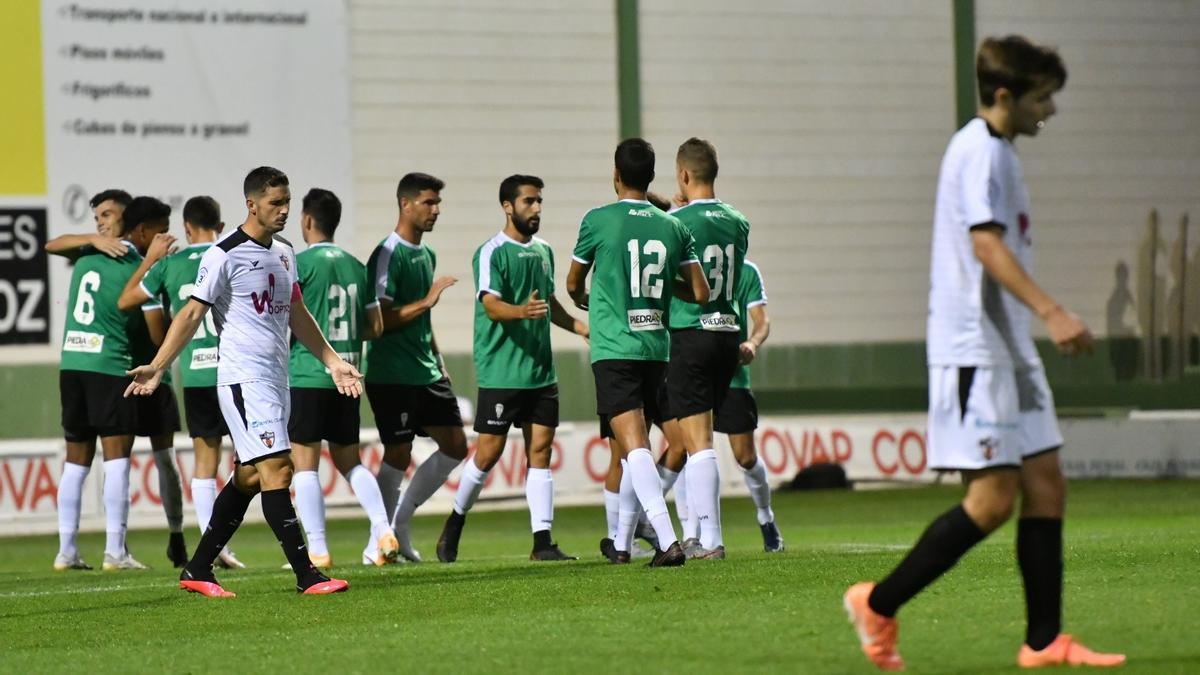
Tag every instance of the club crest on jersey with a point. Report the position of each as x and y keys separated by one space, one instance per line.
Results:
x=268 y=438
x=988 y=446
x=286 y=265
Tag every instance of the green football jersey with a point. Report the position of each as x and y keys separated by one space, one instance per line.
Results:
x=403 y=273
x=513 y=354
x=97 y=336
x=338 y=293
x=722 y=235
x=750 y=291
x=635 y=251
x=173 y=277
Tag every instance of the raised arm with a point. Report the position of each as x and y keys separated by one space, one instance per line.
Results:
x=398 y=317
x=132 y=295
x=499 y=310
x=1067 y=331
x=70 y=246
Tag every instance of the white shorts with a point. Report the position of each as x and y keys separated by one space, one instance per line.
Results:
x=257 y=416
x=981 y=417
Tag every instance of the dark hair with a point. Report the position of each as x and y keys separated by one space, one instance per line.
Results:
x=699 y=157
x=660 y=202
x=325 y=209
x=203 y=212
x=119 y=196
x=414 y=183
x=634 y=159
x=1018 y=65
x=143 y=210
x=511 y=187
x=263 y=178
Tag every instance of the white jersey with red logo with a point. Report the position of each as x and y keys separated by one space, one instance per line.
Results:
x=973 y=320
x=250 y=288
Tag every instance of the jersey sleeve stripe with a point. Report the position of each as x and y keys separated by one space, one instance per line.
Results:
x=755 y=303
x=142 y=285
x=202 y=301
x=581 y=261
x=382 y=262
x=485 y=267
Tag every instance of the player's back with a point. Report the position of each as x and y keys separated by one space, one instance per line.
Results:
x=96 y=335
x=635 y=250
x=722 y=236
x=337 y=293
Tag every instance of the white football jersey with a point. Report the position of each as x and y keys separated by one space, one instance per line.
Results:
x=250 y=288
x=973 y=320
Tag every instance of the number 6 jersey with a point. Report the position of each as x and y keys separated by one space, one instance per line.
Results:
x=635 y=251
x=97 y=335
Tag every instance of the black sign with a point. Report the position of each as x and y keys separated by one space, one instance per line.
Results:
x=24 y=274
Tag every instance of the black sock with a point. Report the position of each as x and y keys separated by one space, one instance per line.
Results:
x=945 y=541
x=281 y=516
x=228 y=511
x=1040 y=555
x=541 y=540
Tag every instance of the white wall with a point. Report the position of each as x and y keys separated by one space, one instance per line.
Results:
x=1126 y=139
x=829 y=121
x=472 y=92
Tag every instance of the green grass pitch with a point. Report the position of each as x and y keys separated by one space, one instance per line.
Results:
x=1132 y=554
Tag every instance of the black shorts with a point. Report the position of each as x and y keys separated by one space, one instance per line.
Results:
x=323 y=415
x=402 y=411
x=703 y=363
x=498 y=409
x=624 y=385
x=737 y=414
x=94 y=404
x=203 y=413
x=158 y=413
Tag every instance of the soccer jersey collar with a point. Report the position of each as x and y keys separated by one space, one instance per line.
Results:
x=505 y=238
x=321 y=243
x=404 y=242
x=635 y=201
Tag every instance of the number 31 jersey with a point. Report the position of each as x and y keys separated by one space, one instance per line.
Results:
x=722 y=235
x=338 y=293
x=635 y=251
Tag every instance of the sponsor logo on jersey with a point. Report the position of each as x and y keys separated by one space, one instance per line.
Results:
x=640 y=213
x=719 y=322
x=268 y=438
x=195 y=255
x=257 y=424
x=205 y=357
x=645 y=319
x=266 y=301
x=720 y=215
x=82 y=341
x=254 y=263
x=201 y=275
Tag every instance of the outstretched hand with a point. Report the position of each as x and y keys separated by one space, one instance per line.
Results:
x=347 y=379
x=145 y=380
x=535 y=307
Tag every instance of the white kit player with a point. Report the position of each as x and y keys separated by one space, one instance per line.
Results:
x=248 y=279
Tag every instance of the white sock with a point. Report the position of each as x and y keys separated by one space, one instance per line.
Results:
x=681 y=505
x=649 y=492
x=116 y=505
x=539 y=493
x=204 y=493
x=760 y=492
x=428 y=478
x=668 y=478
x=366 y=490
x=170 y=487
x=390 y=479
x=70 y=497
x=310 y=506
x=470 y=482
x=691 y=528
x=627 y=513
x=704 y=489
x=612 y=509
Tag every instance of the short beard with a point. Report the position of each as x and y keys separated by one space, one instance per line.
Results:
x=526 y=227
